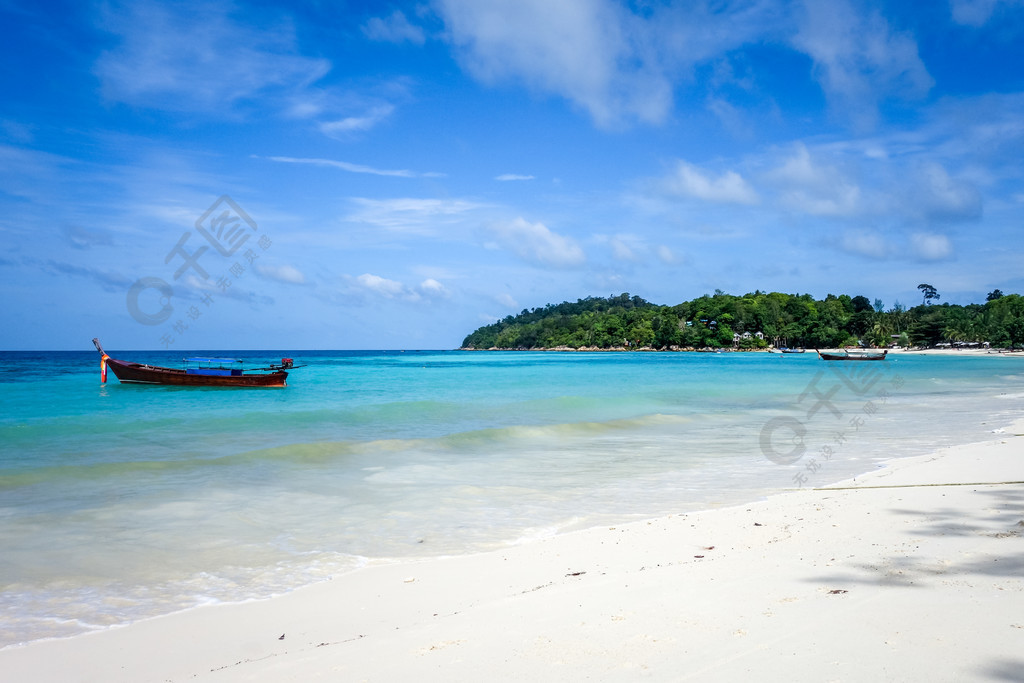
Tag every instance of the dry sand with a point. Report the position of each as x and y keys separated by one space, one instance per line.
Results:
x=908 y=576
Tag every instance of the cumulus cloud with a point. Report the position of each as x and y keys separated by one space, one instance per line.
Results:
x=869 y=244
x=666 y=255
x=536 y=244
x=621 y=251
x=931 y=247
x=506 y=300
x=625 y=247
x=920 y=246
x=394 y=28
x=432 y=288
x=383 y=288
x=727 y=188
x=939 y=197
x=817 y=188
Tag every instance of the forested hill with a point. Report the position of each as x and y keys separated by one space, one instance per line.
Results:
x=755 y=320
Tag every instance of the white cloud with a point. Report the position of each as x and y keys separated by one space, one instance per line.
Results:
x=207 y=57
x=535 y=243
x=191 y=287
x=394 y=28
x=618 y=61
x=621 y=62
x=381 y=286
x=977 y=13
x=625 y=247
x=666 y=255
x=506 y=300
x=622 y=251
x=196 y=57
x=580 y=49
x=917 y=246
x=356 y=124
x=819 y=189
x=859 y=59
x=433 y=288
x=85 y=238
x=728 y=188
x=937 y=196
x=931 y=247
x=410 y=215
x=18 y=132
x=504 y=177
x=284 y=273
x=868 y=244
x=354 y=168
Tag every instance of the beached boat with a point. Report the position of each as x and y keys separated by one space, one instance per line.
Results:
x=198 y=372
x=846 y=355
x=788 y=350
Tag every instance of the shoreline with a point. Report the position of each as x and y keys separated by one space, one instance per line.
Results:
x=777 y=580
x=997 y=353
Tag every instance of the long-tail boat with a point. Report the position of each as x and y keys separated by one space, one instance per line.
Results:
x=198 y=372
x=846 y=355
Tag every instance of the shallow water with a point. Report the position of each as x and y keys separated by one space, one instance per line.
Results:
x=120 y=502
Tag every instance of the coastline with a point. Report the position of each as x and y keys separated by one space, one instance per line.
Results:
x=996 y=353
x=913 y=571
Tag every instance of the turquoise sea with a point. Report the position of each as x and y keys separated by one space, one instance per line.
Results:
x=121 y=502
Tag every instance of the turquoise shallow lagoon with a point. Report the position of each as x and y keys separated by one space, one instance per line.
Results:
x=120 y=502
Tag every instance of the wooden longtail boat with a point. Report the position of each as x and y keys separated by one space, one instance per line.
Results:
x=846 y=355
x=198 y=372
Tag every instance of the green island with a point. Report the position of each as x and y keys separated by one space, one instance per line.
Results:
x=759 y=320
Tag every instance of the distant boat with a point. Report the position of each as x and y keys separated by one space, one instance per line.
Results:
x=846 y=355
x=198 y=372
x=788 y=350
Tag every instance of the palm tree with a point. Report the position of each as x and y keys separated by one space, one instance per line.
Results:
x=881 y=332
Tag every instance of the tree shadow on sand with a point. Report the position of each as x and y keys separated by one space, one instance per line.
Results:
x=990 y=546
x=1005 y=670
x=999 y=517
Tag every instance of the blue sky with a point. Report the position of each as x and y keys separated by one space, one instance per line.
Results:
x=393 y=175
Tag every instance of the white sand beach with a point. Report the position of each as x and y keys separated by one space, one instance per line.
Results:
x=912 y=572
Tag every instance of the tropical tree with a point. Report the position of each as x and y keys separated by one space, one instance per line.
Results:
x=782 y=319
x=929 y=293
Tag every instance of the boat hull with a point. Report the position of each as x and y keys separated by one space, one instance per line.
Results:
x=138 y=373
x=846 y=356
